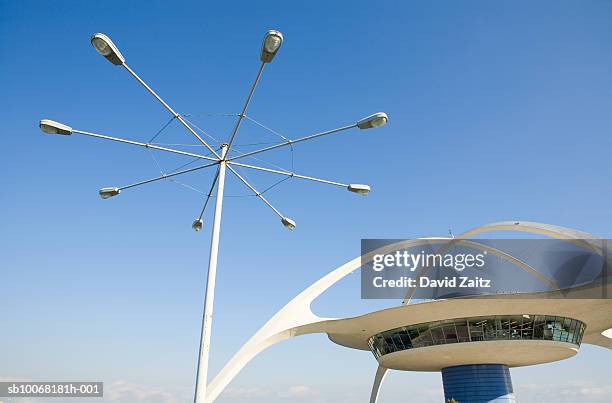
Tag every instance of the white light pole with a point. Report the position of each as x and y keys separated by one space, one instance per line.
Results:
x=202 y=371
x=221 y=158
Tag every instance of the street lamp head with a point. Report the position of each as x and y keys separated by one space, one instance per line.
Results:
x=197 y=224
x=376 y=120
x=271 y=43
x=106 y=193
x=359 y=189
x=288 y=223
x=107 y=48
x=52 y=127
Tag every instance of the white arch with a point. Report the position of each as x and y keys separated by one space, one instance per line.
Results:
x=292 y=320
x=381 y=372
x=296 y=318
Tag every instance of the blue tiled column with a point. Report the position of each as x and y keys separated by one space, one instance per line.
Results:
x=478 y=384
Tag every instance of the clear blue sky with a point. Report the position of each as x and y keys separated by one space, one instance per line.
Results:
x=498 y=110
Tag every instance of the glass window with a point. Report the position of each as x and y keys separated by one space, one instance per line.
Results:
x=437 y=335
x=549 y=327
x=413 y=333
x=450 y=333
x=390 y=346
x=397 y=340
x=462 y=331
x=538 y=327
x=423 y=340
x=516 y=325
x=502 y=328
x=573 y=336
x=565 y=330
x=476 y=325
x=490 y=332
x=527 y=327
x=490 y=328
x=405 y=339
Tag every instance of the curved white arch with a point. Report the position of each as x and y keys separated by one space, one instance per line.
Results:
x=381 y=372
x=292 y=320
x=580 y=238
x=296 y=318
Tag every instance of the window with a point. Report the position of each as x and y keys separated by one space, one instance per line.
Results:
x=484 y=328
x=462 y=331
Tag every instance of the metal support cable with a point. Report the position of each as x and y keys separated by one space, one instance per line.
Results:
x=176 y=115
x=212 y=187
x=289 y=174
x=165 y=176
x=257 y=193
x=162 y=129
x=290 y=142
x=140 y=144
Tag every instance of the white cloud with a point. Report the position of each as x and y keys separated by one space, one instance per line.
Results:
x=298 y=392
x=293 y=393
x=571 y=391
x=127 y=392
x=246 y=392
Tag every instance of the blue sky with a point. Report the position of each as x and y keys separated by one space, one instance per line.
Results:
x=498 y=110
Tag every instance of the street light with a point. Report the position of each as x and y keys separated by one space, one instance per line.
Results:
x=359 y=189
x=106 y=193
x=107 y=48
x=376 y=120
x=288 y=223
x=271 y=43
x=220 y=158
x=197 y=224
x=53 y=127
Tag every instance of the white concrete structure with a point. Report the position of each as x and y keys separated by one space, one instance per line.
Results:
x=297 y=318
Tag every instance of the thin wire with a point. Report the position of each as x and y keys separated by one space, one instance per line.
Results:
x=200 y=129
x=209 y=195
x=265 y=190
x=189 y=163
x=212 y=187
x=187 y=186
x=161 y=171
x=162 y=129
x=210 y=114
x=156 y=161
x=178 y=144
x=269 y=187
x=266 y=162
x=277 y=134
x=266 y=127
x=235 y=149
x=264 y=143
x=184 y=165
x=274 y=185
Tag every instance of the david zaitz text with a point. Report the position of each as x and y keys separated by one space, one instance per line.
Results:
x=426 y=282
